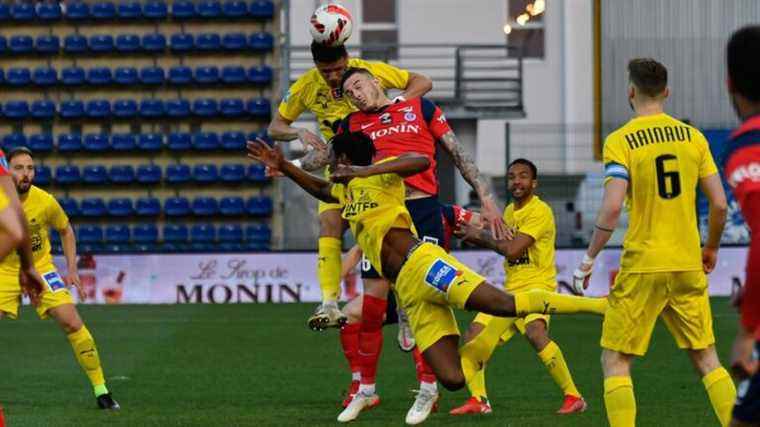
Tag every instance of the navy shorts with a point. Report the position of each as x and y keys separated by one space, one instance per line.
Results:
x=747 y=408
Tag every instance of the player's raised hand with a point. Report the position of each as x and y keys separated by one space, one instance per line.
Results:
x=582 y=275
x=309 y=139
x=490 y=218
x=709 y=259
x=31 y=283
x=259 y=150
x=272 y=173
x=72 y=279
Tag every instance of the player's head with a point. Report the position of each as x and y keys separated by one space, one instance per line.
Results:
x=331 y=62
x=522 y=178
x=744 y=70
x=363 y=89
x=21 y=162
x=352 y=148
x=648 y=81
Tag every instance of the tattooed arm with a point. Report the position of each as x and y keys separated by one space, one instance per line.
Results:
x=314 y=160
x=511 y=249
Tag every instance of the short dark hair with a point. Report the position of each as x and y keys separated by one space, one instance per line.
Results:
x=526 y=162
x=357 y=146
x=350 y=71
x=322 y=53
x=648 y=75
x=17 y=151
x=743 y=65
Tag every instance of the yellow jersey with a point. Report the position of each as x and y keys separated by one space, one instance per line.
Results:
x=311 y=92
x=42 y=212
x=374 y=205
x=662 y=159
x=536 y=266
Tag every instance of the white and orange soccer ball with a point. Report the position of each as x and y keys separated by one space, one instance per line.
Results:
x=331 y=25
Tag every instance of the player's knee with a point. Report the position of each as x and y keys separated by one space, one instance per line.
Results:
x=353 y=310
x=472 y=331
x=451 y=380
x=330 y=224
x=536 y=334
x=705 y=360
x=615 y=363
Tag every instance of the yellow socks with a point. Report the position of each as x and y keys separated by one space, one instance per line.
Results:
x=546 y=302
x=328 y=268
x=476 y=353
x=555 y=363
x=722 y=392
x=619 y=401
x=87 y=355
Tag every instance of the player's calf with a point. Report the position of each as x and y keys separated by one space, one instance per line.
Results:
x=443 y=358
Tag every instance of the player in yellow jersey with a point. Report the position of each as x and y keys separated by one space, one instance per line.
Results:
x=529 y=264
x=427 y=280
x=654 y=163
x=43 y=212
x=318 y=90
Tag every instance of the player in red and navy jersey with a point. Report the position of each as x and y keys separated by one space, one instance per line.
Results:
x=741 y=163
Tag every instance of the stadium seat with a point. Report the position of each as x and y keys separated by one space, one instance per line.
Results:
x=120 y=207
x=90 y=234
x=232 y=107
x=75 y=43
x=41 y=143
x=125 y=108
x=43 y=109
x=13 y=140
x=259 y=107
x=5 y=12
x=145 y=237
x=233 y=74
x=231 y=237
x=151 y=107
x=261 y=9
x=77 y=10
x=96 y=142
x=67 y=174
x=45 y=76
x=179 y=108
x=18 y=76
x=180 y=75
x=103 y=10
x=206 y=141
x=232 y=206
x=205 y=107
x=205 y=173
x=123 y=141
x=233 y=141
x=150 y=142
x=155 y=9
x=121 y=174
x=23 y=11
x=152 y=75
x=175 y=237
x=94 y=175
x=69 y=142
x=129 y=9
x=149 y=174
x=234 y=42
x=73 y=76
x=128 y=43
x=93 y=207
x=16 y=109
x=42 y=175
x=3 y=40
x=71 y=109
x=208 y=42
x=205 y=206
x=234 y=9
x=183 y=9
x=181 y=42
x=261 y=42
x=70 y=206
x=202 y=237
x=209 y=9
x=98 y=108
x=178 y=174
x=48 y=11
x=101 y=43
x=117 y=238
x=99 y=76
x=258 y=237
x=259 y=206
x=177 y=206
x=48 y=43
x=257 y=173
x=179 y=141
x=154 y=42
x=148 y=207
x=126 y=76
x=207 y=74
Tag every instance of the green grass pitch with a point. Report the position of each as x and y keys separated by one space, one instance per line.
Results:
x=258 y=365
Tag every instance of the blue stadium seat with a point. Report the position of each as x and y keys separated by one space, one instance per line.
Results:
x=233 y=141
x=125 y=108
x=45 y=76
x=207 y=74
x=149 y=174
x=258 y=233
x=202 y=237
x=150 y=142
x=181 y=42
x=148 y=206
x=145 y=237
x=234 y=9
x=71 y=109
x=129 y=9
x=179 y=141
x=259 y=107
x=93 y=207
x=117 y=238
x=99 y=76
x=151 y=107
x=73 y=76
x=5 y=12
x=98 y=108
x=90 y=234
x=43 y=109
x=41 y=143
x=101 y=43
x=47 y=43
x=233 y=74
x=13 y=140
x=77 y=10
x=128 y=43
x=206 y=141
x=16 y=109
x=3 y=41
x=205 y=107
x=234 y=42
x=177 y=206
x=152 y=75
x=120 y=206
x=208 y=42
x=103 y=10
x=259 y=206
x=205 y=206
x=209 y=9
x=75 y=43
x=232 y=206
x=183 y=9
x=232 y=173
x=96 y=142
x=126 y=76
x=155 y=9
x=67 y=174
x=19 y=76
x=205 y=173
x=48 y=11
x=231 y=237
x=69 y=142
x=261 y=9
x=154 y=42
x=23 y=11
x=121 y=174
x=261 y=42
x=42 y=175
x=123 y=141
x=232 y=107
x=21 y=44
x=70 y=206
x=257 y=173
x=94 y=175
x=175 y=237
x=180 y=75
x=178 y=108
x=178 y=174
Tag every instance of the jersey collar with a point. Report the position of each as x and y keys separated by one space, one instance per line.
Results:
x=752 y=123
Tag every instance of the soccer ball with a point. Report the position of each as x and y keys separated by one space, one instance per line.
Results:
x=330 y=25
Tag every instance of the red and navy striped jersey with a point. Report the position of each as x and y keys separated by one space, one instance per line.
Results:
x=3 y=164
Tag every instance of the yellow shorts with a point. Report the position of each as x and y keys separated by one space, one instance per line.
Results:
x=428 y=285
x=637 y=299
x=511 y=325
x=54 y=296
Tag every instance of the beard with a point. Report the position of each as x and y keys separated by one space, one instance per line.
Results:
x=23 y=188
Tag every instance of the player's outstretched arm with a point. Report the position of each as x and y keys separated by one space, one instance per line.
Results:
x=716 y=198
x=417 y=85
x=404 y=165
x=281 y=129
x=510 y=249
